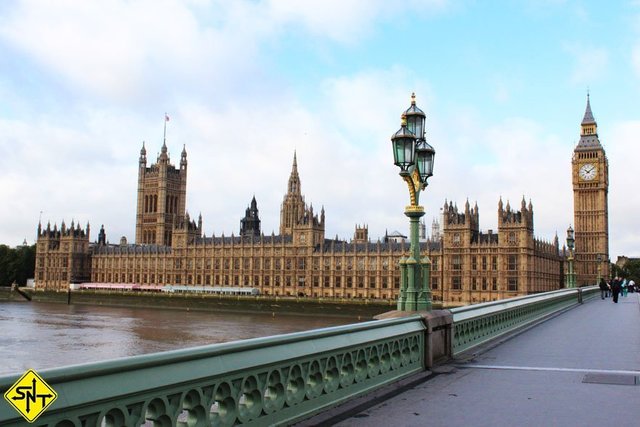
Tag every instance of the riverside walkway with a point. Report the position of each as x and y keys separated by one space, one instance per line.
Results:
x=579 y=368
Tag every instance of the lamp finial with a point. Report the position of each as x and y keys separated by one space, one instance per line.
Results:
x=413 y=98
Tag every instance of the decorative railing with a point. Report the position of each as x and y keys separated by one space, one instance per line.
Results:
x=478 y=324
x=589 y=292
x=276 y=380
x=263 y=381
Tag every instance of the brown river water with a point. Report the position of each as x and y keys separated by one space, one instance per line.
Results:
x=40 y=335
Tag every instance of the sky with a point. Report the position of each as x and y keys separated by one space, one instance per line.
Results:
x=248 y=83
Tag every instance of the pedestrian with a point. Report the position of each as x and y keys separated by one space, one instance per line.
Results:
x=615 y=289
x=624 y=287
x=603 y=288
x=632 y=286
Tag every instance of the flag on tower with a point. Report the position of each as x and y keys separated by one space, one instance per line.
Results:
x=166 y=117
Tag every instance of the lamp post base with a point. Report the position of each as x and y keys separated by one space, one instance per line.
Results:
x=415 y=294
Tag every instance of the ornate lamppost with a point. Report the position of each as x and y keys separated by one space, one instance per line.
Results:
x=414 y=156
x=570 y=281
x=599 y=260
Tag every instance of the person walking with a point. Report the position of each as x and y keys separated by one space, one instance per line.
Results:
x=615 y=289
x=624 y=287
x=603 y=288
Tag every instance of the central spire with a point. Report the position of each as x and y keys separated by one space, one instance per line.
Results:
x=293 y=206
x=294 y=178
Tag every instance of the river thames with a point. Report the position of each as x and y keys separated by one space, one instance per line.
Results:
x=40 y=335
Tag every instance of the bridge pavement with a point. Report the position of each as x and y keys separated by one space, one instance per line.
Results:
x=534 y=379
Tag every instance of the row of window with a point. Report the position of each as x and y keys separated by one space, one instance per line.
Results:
x=251 y=281
x=247 y=263
x=456 y=284
x=457 y=263
x=151 y=204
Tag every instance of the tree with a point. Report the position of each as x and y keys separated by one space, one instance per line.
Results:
x=630 y=270
x=17 y=265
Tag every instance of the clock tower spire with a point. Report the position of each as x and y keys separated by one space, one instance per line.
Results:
x=590 y=203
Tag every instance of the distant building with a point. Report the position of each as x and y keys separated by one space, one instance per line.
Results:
x=467 y=265
x=395 y=237
x=622 y=261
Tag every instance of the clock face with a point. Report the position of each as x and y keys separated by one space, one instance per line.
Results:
x=588 y=171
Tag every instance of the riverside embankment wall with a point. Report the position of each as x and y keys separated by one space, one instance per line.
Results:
x=216 y=303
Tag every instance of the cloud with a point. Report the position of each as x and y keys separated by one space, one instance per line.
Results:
x=590 y=63
x=512 y=159
x=622 y=152
x=345 y=21
x=120 y=50
x=126 y=51
x=103 y=74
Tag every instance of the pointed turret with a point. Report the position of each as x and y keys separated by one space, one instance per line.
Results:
x=143 y=156
x=294 y=178
x=588 y=130
x=293 y=206
x=163 y=158
x=588 y=115
x=250 y=224
x=183 y=157
x=102 y=236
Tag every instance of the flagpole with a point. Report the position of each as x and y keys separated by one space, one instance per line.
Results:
x=165 y=128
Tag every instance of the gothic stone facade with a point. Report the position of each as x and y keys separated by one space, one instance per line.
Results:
x=468 y=266
x=590 y=176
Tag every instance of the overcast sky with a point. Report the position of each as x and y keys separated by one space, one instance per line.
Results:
x=245 y=83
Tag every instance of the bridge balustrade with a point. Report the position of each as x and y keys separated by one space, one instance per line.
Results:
x=281 y=379
x=262 y=381
x=477 y=324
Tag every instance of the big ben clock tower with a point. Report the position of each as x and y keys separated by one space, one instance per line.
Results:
x=590 y=203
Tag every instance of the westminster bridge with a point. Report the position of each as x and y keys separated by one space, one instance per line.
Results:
x=559 y=358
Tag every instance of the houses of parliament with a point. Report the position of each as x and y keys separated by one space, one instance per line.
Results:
x=467 y=265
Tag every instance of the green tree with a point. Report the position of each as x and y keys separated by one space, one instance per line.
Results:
x=17 y=265
x=6 y=264
x=632 y=268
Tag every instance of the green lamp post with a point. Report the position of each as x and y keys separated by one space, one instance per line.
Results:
x=414 y=156
x=570 y=281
